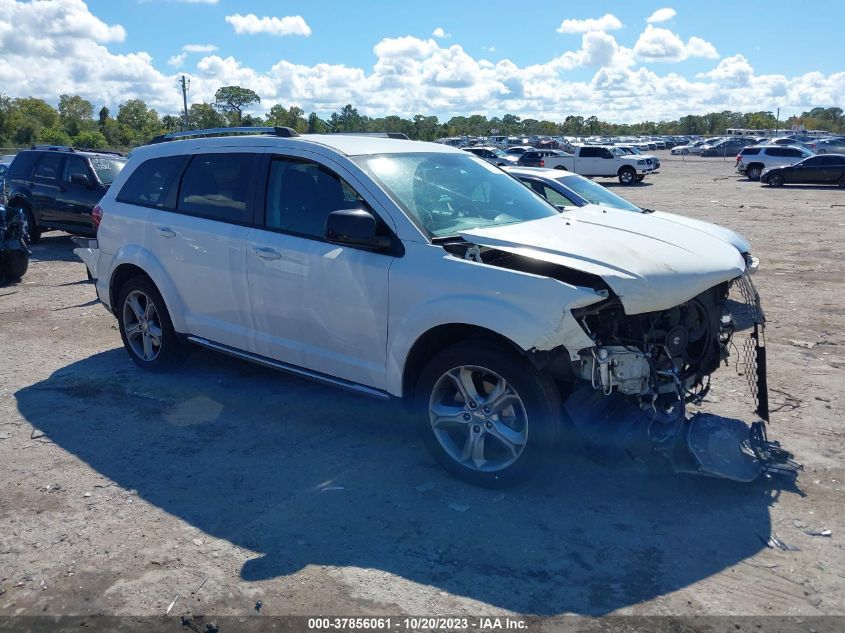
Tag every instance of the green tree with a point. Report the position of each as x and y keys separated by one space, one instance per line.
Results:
x=74 y=112
x=291 y=117
x=316 y=125
x=53 y=136
x=347 y=120
x=203 y=116
x=233 y=99
x=90 y=139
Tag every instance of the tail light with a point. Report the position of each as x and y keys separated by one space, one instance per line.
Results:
x=542 y=163
x=97 y=217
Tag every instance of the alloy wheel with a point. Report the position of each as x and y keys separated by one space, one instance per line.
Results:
x=142 y=325
x=478 y=418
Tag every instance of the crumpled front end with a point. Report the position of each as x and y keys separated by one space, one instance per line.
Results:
x=646 y=368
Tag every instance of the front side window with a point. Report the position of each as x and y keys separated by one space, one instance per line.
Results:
x=301 y=194
x=48 y=166
x=555 y=197
x=154 y=183
x=447 y=193
x=216 y=186
x=74 y=166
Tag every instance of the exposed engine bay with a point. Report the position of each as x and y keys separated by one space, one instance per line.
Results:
x=636 y=382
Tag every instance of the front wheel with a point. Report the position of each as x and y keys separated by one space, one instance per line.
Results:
x=776 y=180
x=627 y=176
x=16 y=264
x=146 y=328
x=486 y=414
x=685 y=152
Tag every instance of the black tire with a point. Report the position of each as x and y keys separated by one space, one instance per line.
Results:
x=538 y=399
x=753 y=172
x=842 y=182
x=171 y=351
x=16 y=263
x=561 y=167
x=32 y=229
x=822 y=151
x=684 y=152
x=775 y=180
x=627 y=176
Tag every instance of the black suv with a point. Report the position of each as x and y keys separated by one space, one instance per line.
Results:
x=58 y=187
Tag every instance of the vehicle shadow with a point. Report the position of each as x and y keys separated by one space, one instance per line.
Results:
x=619 y=185
x=306 y=475
x=53 y=247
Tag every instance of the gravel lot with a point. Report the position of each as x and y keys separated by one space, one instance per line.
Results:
x=121 y=490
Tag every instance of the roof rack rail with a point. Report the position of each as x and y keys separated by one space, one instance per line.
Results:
x=397 y=135
x=285 y=132
x=54 y=148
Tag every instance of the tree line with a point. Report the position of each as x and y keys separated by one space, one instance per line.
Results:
x=27 y=121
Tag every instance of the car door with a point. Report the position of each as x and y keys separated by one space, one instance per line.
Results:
x=45 y=187
x=806 y=171
x=200 y=241
x=75 y=198
x=315 y=304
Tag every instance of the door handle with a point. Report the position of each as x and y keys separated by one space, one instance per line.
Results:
x=166 y=231
x=267 y=253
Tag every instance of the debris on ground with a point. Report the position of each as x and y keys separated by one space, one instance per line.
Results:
x=774 y=542
x=818 y=532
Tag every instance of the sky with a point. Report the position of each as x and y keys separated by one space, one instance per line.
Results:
x=620 y=61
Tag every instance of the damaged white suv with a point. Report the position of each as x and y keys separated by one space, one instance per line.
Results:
x=411 y=270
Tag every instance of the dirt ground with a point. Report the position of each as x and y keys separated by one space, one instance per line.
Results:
x=226 y=484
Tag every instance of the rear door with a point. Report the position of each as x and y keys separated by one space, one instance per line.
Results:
x=200 y=242
x=45 y=187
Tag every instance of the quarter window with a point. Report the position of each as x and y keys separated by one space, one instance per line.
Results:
x=300 y=196
x=216 y=186
x=154 y=183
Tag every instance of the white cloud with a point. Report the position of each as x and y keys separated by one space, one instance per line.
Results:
x=662 y=45
x=251 y=24
x=407 y=76
x=177 y=60
x=661 y=15
x=440 y=33
x=697 y=47
x=199 y=48
x=489 y=49
x=607 y=22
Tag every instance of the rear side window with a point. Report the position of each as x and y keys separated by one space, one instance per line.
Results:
x=217 y=186
x=154 y=183
x=48 y=167
x=22 y=165
x=750 y=151
x=776 y=151
x=591 y=152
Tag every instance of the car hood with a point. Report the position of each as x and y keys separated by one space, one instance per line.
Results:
x=732 y=237
x=650 y=263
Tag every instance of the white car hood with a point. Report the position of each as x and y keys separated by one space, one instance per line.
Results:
x=732 y=237
x=650 y=263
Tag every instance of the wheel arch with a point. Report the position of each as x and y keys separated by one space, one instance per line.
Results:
x=439 y=337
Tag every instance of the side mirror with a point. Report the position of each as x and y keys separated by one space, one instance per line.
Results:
x=80 y=179
x=356 y=227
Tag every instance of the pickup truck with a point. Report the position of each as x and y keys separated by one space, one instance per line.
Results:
x=599 y=160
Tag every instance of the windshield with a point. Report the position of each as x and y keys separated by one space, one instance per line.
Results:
x=448 y=193
x=594 y=193
x=107 y=168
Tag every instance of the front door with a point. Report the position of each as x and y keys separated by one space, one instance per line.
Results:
x=75 y=199
x=315 y=304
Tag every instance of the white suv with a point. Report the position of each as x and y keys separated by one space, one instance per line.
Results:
x=401 y=269
x=751 y=161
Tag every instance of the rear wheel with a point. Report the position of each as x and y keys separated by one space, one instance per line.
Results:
x=17 y=263
x=842 y=181
x=776 y=180
x=146 y=328
x=561 y=167
x=753 y=172
x=627 y=176
x=32 y=229
x=486 y=414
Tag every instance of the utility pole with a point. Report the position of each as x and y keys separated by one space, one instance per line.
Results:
x=185 y=83
x=777 y=122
